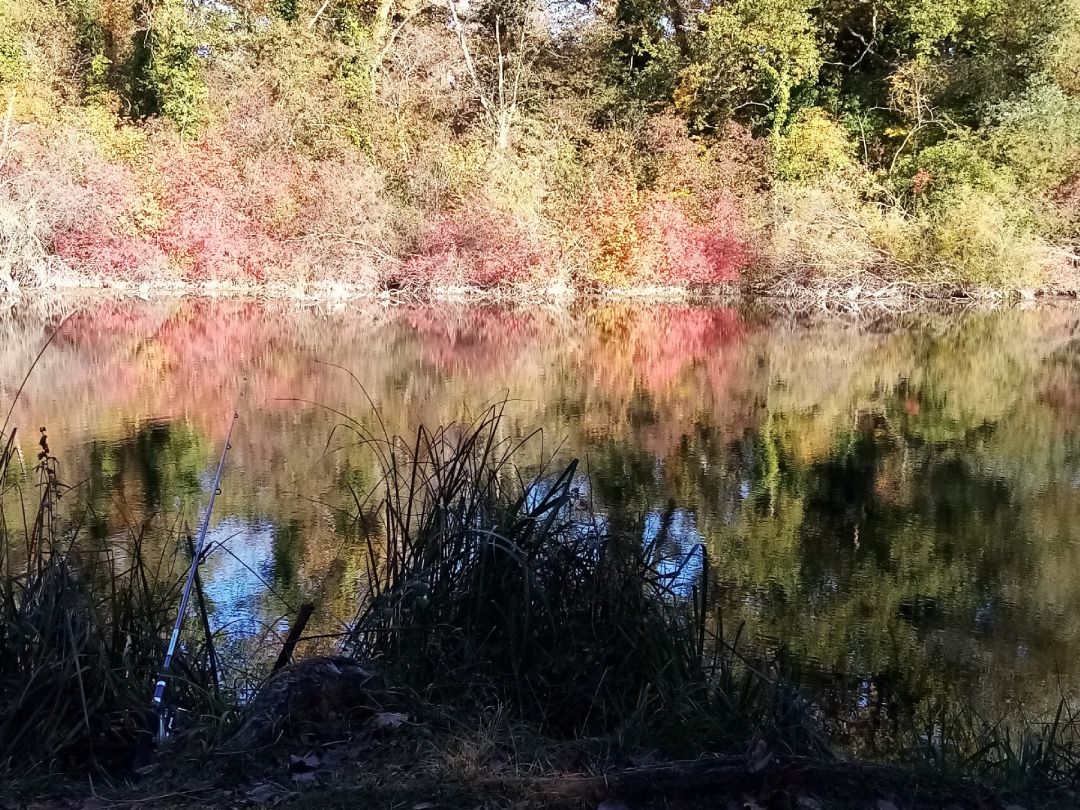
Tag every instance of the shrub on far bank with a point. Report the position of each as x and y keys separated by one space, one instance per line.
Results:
x=823 y=230
x=979 y=240
x=292 y=141
x=975 y=226
x=24 y=262
x=681 y=214
x=88 y=214
x=675 y=250
x=472 y=247
x=645 y=239
x=952 y=213
x=828 y=234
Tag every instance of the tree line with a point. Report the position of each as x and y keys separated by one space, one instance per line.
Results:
x=782 y=144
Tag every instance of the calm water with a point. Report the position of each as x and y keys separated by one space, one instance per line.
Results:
x=895 y=499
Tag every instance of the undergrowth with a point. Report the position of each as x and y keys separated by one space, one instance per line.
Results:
x=520 y=622
x=82 y=624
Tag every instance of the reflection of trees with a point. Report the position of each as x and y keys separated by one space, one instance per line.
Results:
x=138 y=396
x=158 y=466
x=897 y=499
x=907 y=517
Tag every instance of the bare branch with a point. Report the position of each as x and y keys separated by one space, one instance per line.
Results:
x=318 y=13
x=7 y=129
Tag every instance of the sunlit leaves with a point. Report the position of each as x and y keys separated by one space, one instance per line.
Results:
x=749 y=56
x=168 y=77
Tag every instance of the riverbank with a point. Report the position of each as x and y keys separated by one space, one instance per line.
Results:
x=423 y=757
x=424 y=148
x=349 y=746
x=869 y=291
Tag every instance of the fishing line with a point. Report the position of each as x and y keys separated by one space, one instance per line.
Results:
x=164 y=721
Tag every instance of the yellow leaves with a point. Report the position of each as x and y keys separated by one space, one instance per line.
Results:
x=516 y=187
x=146 y=214
x=978 y=241
x=687 y=88
x=1064 y=57
x=117 y=139
x=615 y=234
x=814 y=146
x=914 y=87
x=285 y=210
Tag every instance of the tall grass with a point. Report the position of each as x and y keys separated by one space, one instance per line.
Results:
x=488 y=581
x=82 y=624
x=1019 y=752
x=482 y=577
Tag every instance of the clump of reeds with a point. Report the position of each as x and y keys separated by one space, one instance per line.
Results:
x=82 y=624
x=481 y=577
x=489 y=582
x=1018 y=752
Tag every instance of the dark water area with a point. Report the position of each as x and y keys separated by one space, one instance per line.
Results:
x=890 y=499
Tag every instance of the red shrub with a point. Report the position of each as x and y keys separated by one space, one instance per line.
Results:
x=211 y=228
x=680 y=251
x=101 y=251
x=236 y=216
x=475 y=248
x=98 y=221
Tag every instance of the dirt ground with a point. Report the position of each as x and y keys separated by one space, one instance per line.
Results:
x=397 y=763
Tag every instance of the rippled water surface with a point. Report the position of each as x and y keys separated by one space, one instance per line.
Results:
x=893 y=498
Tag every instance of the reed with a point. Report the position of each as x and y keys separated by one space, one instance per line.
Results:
x=478 y=576
x=493 y=584
x=1028 y=753
x=82 y=623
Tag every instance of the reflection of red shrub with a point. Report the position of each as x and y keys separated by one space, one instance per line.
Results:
x=477 y=340
x=476 y=248
x=680 y=251
x=655 y=346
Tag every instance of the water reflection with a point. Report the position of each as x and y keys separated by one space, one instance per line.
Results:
x=893 y=501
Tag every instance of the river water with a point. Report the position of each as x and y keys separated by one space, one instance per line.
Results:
x=890 y=498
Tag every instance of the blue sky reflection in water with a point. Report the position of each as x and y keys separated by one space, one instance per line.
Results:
x=893 y=498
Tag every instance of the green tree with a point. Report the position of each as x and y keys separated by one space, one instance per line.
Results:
x=749 y=57
x=167 y=77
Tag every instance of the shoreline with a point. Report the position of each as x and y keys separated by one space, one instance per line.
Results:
x=828 y=296
x=431 y=760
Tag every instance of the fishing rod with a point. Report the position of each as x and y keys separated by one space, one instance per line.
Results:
x=185 y=596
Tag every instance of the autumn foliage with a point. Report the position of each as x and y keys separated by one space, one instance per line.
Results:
x=214 y=210
x=681 y=251
x=472 y=248
x=279 y=158
x=288 y=171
